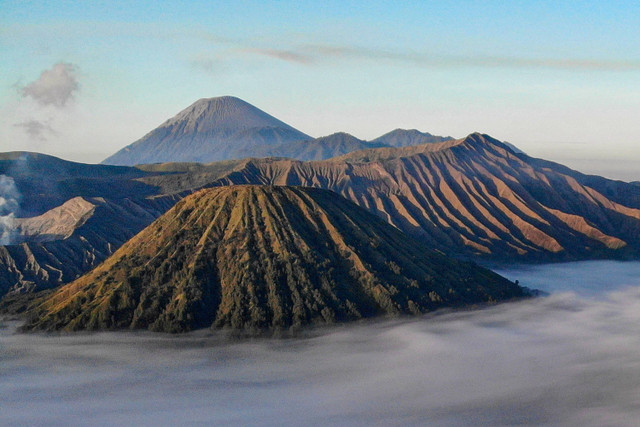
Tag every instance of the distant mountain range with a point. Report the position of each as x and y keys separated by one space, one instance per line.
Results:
x=255 y=258
x=474 y=197
x=225 y=128
x=208 y=130
x=407 y=137
x=322 y=148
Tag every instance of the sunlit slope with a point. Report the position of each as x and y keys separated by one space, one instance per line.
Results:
x=474 y=196
x=254 y=257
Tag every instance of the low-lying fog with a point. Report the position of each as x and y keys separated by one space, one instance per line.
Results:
x=572 y=358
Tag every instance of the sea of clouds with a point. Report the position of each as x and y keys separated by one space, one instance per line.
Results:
x=572 y=358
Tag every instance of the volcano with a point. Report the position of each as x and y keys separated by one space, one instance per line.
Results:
x=210 y=129
x=265 y=257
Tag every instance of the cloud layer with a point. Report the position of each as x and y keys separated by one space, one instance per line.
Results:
x=427 y=59
x=567 y=359
x=56 y=86
x=318 y=53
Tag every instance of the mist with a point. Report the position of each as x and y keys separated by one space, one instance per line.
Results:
x=572 y=358
x=9 y=205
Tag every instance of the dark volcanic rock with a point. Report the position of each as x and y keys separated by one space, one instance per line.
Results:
x=46 y=259
x=45 y=182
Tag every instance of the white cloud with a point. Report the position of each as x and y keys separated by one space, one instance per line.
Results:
x=44 y=110
x=56 y=86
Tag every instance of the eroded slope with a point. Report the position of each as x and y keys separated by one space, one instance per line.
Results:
x=252 y=257
x=475 y=196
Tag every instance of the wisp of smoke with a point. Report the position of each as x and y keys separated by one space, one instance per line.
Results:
x=572 y=358
x=9 y=196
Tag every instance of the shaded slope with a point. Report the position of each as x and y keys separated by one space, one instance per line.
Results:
x=407 y=137
x=322 y=148
x=209 y=130
x=72 y=216
x=47 y=260
x=253 y=257
x=45 y=182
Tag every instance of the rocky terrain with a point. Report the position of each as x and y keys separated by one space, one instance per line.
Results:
x=260 y=257
x=66 y=242
x=474 y=197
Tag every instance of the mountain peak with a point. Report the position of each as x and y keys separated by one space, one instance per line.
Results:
x=477 y=138
x=407 y=137
x=220 y=102
x=210 y=129
x=408 y=132
x=339 y=135
x=223 y=98
x=224 y=112
x=255 y=257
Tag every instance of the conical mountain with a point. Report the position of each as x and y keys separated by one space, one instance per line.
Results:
x=210 y=129
x=256 y=257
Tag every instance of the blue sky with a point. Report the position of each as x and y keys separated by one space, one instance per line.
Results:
x=561 y=80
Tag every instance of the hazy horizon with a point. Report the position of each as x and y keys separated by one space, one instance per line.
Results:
x=560 y=81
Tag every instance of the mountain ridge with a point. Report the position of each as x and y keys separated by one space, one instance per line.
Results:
x=226 y=128
x=321 y=148
x=406 y=137
x=262 y=257
x=473 y=197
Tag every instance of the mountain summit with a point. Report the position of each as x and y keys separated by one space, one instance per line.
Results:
x=260 y=257
x=223 y=113
x=208 y=130
x=408 y=137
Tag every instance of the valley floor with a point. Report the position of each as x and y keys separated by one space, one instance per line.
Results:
x=572 y=358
